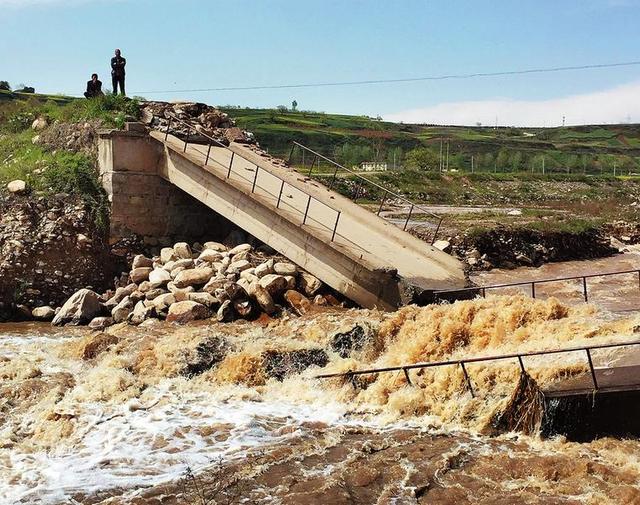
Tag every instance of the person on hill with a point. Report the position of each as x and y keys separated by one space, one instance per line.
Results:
x=94 y=87
x=117 y=72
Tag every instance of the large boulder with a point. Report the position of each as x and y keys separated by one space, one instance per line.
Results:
x=194 y=277
x=183 y=312
x=81 y=308
x=100 y=323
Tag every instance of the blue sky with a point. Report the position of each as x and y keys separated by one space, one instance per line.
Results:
x=55 y=45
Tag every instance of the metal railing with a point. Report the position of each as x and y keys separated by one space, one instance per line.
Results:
x=386 y=192
x=482 y=290
x=279 y=201
x=462 y=362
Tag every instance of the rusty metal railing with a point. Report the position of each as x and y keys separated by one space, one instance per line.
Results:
x=463 y=362
x=385 y=195
x=211 y=141
x=482 y=290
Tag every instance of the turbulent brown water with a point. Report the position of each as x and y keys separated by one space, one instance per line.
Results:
x=167 y=414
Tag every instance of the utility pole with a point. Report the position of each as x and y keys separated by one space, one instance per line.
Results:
x=440 y=154
x=447 y=155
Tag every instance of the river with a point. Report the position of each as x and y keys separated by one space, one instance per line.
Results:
x=214 y=413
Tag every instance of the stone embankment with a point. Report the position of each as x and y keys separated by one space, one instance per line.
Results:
x=48 y=248
x=185 y=283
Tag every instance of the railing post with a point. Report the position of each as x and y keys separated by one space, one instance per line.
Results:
x=435 y=233
x=406 y=376
x=466 y=376
x=533 y=289
x=384 y=197
x=408 y=218
x=484 y=292
x=593 y=371
x=293 y=146
x=166 y=135
x=186 y=141
x=255 y=179
x=311 y=166
x=335 y=227
x=333 y=179
x=280 y=195
x=208 y=153
x=230 y=165
x=584 y=289
x=306 y=211
x=521 y=364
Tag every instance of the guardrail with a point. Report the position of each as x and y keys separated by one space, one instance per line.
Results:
x=386 y=192
x=483 y=289
x=462 y=362
x=279 y=201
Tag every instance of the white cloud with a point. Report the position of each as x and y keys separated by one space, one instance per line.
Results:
x=615 y=105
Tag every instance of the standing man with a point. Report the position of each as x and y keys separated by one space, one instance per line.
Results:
x=117 y=72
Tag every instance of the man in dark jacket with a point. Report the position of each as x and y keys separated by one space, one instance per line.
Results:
x=94 y=87
x=117 y=72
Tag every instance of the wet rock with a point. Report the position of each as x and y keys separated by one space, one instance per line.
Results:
x=262 y=297
x=121 y=311
x=97 y=344
x=45 y=313
x=183 y=312
x=299 y=303
x=280 y=364
x=226 y=313
x=207 y=353
x=352 y=340
x=81 y=308
x=100 y=323
x=141 y=313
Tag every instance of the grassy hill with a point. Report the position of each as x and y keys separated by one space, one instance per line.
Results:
x=352 y=139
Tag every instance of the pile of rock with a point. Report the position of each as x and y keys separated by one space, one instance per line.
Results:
x=183 y=284
x=207 y=120
x=74 y=137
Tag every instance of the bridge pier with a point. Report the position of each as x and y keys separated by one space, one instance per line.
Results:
x=145 y=204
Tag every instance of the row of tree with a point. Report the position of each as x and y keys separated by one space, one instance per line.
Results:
x=505 y=160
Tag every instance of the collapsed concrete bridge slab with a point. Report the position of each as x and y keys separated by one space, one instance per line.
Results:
x=352 y=250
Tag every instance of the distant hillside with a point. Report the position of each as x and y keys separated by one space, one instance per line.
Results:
x=351 y=139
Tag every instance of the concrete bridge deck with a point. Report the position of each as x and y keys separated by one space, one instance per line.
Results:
x=343 y=244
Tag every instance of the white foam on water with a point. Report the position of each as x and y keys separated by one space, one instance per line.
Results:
x=125 y=449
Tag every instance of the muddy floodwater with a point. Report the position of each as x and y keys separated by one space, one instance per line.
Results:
x=233 y=413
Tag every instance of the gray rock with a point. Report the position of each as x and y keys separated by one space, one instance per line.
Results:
x=45 y=313
x=81 y=308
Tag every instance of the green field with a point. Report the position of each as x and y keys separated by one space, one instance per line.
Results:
x=350 y=140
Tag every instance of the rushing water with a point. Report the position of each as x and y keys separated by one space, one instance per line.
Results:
x=113 y=418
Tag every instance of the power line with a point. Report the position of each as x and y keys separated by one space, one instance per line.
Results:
x=409 y=79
